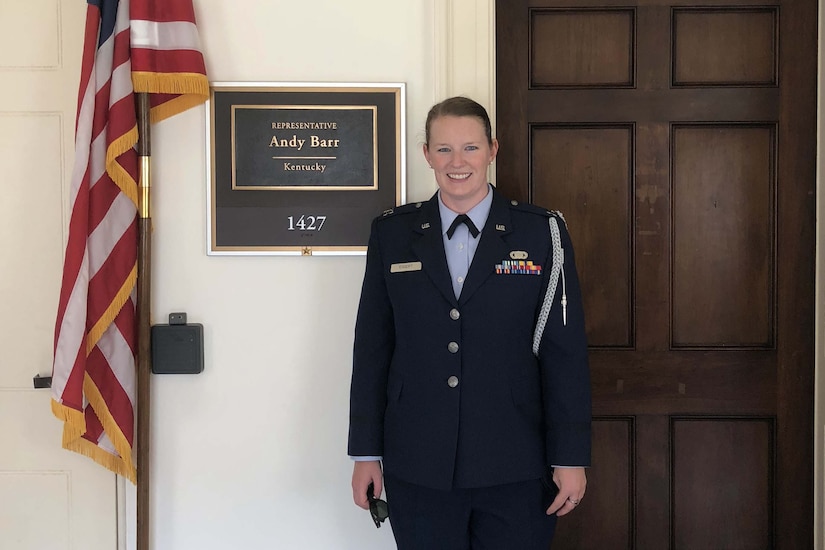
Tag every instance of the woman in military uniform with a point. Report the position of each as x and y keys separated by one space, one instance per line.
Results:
x=470 y=396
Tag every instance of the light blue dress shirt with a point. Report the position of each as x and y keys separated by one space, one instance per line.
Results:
x=462 y=247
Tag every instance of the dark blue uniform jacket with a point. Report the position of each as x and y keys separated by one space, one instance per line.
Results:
x=506 y=413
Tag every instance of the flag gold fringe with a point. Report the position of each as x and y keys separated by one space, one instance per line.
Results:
x=75 y=426
x=175 y=106
x=118 y=173
x=111 y=313
x=193 y=89
x=122 y=465
x=108 y=461
x=127 y=184
x=74 y=421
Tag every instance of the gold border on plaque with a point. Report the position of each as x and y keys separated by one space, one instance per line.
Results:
x=398 y=92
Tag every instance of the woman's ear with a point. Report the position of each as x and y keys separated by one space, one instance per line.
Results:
x=493 y=150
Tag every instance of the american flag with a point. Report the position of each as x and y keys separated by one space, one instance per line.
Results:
x=130 y=46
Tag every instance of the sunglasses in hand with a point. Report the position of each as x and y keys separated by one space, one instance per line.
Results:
x=378 y=507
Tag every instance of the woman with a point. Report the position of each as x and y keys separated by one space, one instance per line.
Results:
x=470 y=379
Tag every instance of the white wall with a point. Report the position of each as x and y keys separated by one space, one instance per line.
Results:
x=252 y=452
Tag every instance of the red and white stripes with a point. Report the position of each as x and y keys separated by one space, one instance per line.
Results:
x=93 y=379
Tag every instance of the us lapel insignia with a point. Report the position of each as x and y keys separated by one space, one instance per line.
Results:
x=425 y=225
x=500 y=227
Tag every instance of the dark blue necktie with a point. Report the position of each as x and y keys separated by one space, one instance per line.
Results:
x=465 y=219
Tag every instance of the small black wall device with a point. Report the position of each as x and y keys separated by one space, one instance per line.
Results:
x=177 y=348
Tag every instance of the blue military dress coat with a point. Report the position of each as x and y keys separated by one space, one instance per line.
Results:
x=452 y=392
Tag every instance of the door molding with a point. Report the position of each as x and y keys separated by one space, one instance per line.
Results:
x=819 y=314
x=464 y=51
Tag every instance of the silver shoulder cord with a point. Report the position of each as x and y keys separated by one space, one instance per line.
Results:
x=557 y=269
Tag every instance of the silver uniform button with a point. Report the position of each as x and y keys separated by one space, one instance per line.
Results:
x=454 y=314
x=452 y=347
x=452 y=381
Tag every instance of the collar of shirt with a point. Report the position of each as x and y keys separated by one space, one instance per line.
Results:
x=479 y=213
x=461 y=249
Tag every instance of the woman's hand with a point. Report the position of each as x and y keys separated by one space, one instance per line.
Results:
x=364 y=473
x=571 y=483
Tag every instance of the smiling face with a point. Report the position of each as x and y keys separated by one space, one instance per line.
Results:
x=459 y=153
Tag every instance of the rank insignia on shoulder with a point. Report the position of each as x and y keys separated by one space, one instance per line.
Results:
x=388 y=212
x=520 y=267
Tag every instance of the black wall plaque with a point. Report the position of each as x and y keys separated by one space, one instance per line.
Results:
x=302 y=169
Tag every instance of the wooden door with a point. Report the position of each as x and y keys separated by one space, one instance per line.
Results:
x=50 y=498
x=678 y=138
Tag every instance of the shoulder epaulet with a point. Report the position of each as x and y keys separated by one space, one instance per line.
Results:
x=403 y=209
x=533 y=209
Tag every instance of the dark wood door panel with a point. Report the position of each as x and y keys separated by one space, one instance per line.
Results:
x=612 y=507
x=599 y=44
x=640 y=106
x=722 y=483
x=725 y=46
x=679 y=141
x=669 y=383
x=585 y=172
x=723 y=271
x=713 y=475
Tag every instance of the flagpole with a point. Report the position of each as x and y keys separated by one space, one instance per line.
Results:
x=144 y=321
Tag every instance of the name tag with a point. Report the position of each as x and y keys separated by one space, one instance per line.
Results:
x=408 y=266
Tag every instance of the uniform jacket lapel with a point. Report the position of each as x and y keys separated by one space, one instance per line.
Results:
x=429 y=247
x=491 y=248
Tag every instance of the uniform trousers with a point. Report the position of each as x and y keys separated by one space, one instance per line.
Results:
x=501 y=517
